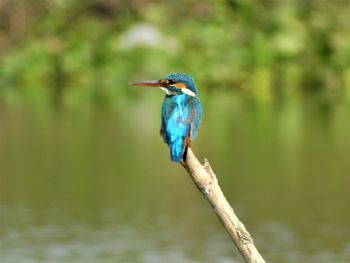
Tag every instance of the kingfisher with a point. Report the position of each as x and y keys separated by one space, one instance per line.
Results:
x=181 y=112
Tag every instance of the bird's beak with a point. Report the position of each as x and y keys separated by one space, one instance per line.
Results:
x=163 y=84
x=149 y=83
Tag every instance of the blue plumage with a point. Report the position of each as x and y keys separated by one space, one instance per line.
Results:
x=181 y=116
x=181 y=112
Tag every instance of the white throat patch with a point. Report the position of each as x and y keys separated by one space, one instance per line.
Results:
x=183 y=90
x=168 y=92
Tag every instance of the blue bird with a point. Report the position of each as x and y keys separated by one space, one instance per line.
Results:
x=181 y=112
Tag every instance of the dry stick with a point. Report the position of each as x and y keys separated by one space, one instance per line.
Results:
x=205 y=180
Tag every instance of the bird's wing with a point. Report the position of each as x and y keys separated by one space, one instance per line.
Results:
x=167 y=109
x=195 y=116
x=162 y=128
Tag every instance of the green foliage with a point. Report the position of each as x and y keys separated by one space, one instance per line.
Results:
x=73 y=53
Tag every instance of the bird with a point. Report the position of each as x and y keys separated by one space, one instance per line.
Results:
x=181 y=112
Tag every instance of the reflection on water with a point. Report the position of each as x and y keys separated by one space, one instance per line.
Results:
x=97 y=185
x=111 y=241
x=65 y=240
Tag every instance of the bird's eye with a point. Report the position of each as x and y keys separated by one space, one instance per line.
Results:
x=171 y=81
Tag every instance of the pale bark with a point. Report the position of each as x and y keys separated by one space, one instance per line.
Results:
x=205 y=180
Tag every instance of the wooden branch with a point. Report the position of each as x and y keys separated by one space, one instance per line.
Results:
x=205 y=180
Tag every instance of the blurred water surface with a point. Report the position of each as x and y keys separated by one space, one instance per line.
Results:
x=96 y=185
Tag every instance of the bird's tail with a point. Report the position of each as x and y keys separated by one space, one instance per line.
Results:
x=176 y=150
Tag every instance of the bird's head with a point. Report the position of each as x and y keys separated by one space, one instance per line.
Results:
x=173 y=84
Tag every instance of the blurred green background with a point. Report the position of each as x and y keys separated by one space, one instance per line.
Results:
x=84 y=176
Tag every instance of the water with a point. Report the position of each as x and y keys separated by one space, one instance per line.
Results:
x=96 y=185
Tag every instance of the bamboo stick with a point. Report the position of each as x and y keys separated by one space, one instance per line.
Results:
x=205 y=180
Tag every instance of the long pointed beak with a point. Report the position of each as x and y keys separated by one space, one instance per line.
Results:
x=149 y=83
